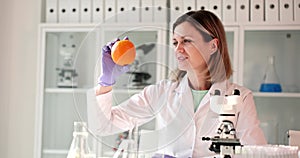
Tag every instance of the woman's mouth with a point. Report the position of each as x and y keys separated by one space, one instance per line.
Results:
x=181 y=58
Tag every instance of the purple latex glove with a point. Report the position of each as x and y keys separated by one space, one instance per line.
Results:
x=162 y=156
x=110 y=70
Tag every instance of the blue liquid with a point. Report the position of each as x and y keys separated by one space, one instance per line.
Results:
x=270 y=87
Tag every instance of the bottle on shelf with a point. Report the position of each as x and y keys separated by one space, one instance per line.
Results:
x=79 y=147
x=270 y=80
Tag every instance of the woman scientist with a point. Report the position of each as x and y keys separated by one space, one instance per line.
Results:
x=180 y=106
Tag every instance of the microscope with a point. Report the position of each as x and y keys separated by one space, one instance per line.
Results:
x=67 y=75
x=139 y=73
x=225 y=142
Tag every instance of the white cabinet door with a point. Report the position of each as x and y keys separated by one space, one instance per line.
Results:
x=69 y=64
x=66 y=70
x=274 y=109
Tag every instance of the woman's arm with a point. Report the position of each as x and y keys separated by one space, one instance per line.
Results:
x=138 y=109
x=102 y=89
x=105 y=120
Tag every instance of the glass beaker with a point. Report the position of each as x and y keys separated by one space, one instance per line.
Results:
x=79 y=147
x=270 y=80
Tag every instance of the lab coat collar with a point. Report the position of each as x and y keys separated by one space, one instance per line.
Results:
x=184 y=86
x=185 y=95
x=222 y=86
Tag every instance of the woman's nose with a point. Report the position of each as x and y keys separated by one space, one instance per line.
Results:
x=179 y=47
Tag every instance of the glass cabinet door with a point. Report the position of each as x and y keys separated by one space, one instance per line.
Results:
x=69 y=59
x=274 y=109
x=70 y=63
x=66 y=72
x=284 y=46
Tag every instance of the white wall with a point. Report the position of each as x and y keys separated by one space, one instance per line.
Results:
x=4 y=73
x=18 y=46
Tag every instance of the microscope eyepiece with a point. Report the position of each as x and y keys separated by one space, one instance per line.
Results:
x=217 y=92
x=236 y=92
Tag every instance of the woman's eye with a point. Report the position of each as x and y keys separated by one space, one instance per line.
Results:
x=187 y=41
x=175 y=43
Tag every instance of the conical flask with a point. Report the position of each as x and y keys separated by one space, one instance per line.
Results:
x=270 y=80
x=79 y=147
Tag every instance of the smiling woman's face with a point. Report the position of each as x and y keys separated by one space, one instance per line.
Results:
x=192 y=52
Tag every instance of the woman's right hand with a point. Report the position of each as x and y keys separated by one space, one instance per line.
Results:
x=110 y=70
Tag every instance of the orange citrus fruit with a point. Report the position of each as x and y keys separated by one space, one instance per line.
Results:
x=123 y=52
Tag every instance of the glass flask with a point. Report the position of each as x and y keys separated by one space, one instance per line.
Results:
x=270 y=80
x=79 y=147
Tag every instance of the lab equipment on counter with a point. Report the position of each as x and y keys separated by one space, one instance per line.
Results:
x=80 y=147
x=265 y=151
x=269 y=151
x=128 y=147
x=225 y=142
x=227 y=145
x=270 y=80
x=120 y=138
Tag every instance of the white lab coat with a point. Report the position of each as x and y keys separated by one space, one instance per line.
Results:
x=179 y=128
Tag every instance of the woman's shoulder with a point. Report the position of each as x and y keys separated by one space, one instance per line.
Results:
x=166 y=84
x=163 y=85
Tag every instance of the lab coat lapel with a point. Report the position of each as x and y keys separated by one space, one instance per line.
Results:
x=179 y=133
x=185 y=95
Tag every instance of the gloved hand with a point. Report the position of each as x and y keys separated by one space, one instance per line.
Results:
x=110 y=70
x=162 y=156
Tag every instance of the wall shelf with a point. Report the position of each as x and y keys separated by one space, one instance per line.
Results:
x=284 y=94
x=65 y=90
x=55 y=151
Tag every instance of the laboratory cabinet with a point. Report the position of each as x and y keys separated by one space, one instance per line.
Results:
x=66 y=60
x=69 y=64
x=282 y=42
x=277 y=111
